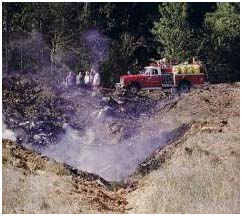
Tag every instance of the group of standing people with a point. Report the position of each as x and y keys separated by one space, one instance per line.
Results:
x=91 y=80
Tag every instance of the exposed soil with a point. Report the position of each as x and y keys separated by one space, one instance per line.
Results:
x=77 y=126
x=206 y=115
x=49 y=184
x=198 y=173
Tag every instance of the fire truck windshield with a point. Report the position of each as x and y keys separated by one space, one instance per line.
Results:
x=150 y=71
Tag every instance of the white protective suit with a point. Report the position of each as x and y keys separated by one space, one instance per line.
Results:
x=87 y=79
x=78 y=79
x=96 y=80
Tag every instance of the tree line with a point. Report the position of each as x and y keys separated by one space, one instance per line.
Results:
x=53 y=38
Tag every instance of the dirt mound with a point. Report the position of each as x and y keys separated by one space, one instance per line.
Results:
x=198 y=173
x=83 y=191
x=213 y=101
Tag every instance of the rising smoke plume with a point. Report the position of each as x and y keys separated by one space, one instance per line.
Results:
x=96 y=148
x=98 y=47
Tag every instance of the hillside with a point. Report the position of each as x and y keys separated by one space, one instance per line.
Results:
x=199 y=173
x=195 y=170
x=36 y=184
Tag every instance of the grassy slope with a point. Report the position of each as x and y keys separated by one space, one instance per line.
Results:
x=202 y=175
x=35 y=184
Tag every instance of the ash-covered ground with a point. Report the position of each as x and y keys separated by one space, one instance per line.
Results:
x=108 y=133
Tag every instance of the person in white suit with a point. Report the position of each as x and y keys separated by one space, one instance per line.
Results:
x=96 y=80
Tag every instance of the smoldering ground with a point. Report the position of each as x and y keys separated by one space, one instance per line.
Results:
x=44 y=80
x=95 y=135
x=111 y=156
x=81 y=129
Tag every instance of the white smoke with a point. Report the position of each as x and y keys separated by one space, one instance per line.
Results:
x=7 y=134
x=98 y=46
x=96 y=151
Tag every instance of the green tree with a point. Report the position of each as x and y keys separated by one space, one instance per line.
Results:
x=173 y=31
x=44 y=36
x=222 y=47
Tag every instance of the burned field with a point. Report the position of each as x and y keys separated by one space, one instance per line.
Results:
x=104 y=143
x=108 y=133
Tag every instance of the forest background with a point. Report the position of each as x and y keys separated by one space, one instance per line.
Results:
x=52 y=39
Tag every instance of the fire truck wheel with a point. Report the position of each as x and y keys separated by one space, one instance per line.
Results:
x=184 y=86
x=134 y=88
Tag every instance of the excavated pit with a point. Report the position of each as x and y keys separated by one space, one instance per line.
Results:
x=109 y=134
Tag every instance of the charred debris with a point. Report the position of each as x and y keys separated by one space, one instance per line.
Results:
x=38 y=110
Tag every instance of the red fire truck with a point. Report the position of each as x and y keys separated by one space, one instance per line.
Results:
x=160 y=77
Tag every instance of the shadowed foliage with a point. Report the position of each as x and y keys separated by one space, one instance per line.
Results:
x=51 y=37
